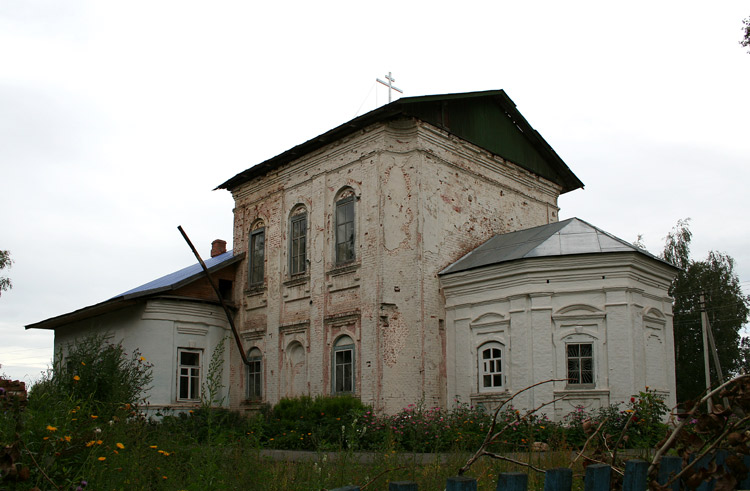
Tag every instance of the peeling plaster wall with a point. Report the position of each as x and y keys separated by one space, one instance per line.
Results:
x=619 y=302
x=423 y=199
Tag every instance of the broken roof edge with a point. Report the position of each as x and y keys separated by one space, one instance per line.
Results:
x=400 y=107
x=133 y=296
x=549 y=229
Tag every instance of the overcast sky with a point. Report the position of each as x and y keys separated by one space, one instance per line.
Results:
x=118 y=119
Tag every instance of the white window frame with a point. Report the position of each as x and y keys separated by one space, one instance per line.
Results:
x=343 y=345
x=254 y=375
x=487 y=367
x=193 y=374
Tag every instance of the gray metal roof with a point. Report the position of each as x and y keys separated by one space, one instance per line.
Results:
x=166 y=283
x=571 y=236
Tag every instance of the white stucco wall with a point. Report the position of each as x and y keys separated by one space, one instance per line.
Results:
x=157 y=328
x=533 y=307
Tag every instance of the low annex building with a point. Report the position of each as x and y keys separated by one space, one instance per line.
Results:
x=387 y=258
x=175 y=321
x=559 y=301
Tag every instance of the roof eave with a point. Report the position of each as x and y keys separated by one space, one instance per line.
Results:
x=123 y=301
x=401 y=107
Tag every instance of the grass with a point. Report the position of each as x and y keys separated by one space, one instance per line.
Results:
x=80 y=429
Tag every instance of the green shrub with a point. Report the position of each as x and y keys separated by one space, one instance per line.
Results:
x=315 y=423
x=98 y=372
x=73 y=415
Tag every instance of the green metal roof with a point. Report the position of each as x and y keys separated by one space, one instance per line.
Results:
x=487 y=119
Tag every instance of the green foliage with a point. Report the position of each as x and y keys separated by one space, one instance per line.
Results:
x=75 y=416
x=5 y=262
x=61 y=444
x=314 y=423
x=726 y=305
x=646 y=412
x=96 y=372
x=212 y=389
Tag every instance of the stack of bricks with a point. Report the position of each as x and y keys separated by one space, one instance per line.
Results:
x=12 y=392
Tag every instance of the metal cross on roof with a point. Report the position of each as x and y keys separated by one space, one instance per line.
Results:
x=390 y=85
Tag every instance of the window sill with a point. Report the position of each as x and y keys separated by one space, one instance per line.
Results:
x=581 y=391
x=252 y=402
x=297 y=280
x=344 y=268
x=255 y=290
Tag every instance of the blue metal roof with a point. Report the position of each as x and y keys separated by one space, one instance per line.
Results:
x=173 y=280
x=166 y=283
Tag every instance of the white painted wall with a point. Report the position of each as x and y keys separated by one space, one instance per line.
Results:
x=617 y=301
x=158 y=327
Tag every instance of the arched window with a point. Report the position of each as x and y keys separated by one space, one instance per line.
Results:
x=255 y=374
x=490 y=369
x=345 y=232
x=298 y=241
x=256 y=248
x=343 y=366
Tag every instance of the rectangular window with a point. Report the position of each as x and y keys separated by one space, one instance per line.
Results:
x=254 y=378
x=345 y=230
x=580 y=359
x=188 y=375
x=257 y=253
x=343 y=369
x=298 y=244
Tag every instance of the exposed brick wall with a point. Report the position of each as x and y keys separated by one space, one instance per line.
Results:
x=202 y=289
x=424 y=198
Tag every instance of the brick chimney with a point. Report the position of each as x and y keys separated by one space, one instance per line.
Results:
x=218 y=247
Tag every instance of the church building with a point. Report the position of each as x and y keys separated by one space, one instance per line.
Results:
x=353 y=280
x=415 y=253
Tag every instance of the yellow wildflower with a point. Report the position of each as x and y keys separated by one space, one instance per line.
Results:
x=164 y=477
x=67 y=438
x=142 y=359
x=99 y=442
x=94 y=416
x=76 y=378
x=90 y=443
x=51 y=428
x=45 y=438
x=102 y=459
x=152 y=446
x=120 y=445
x=82 y=363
